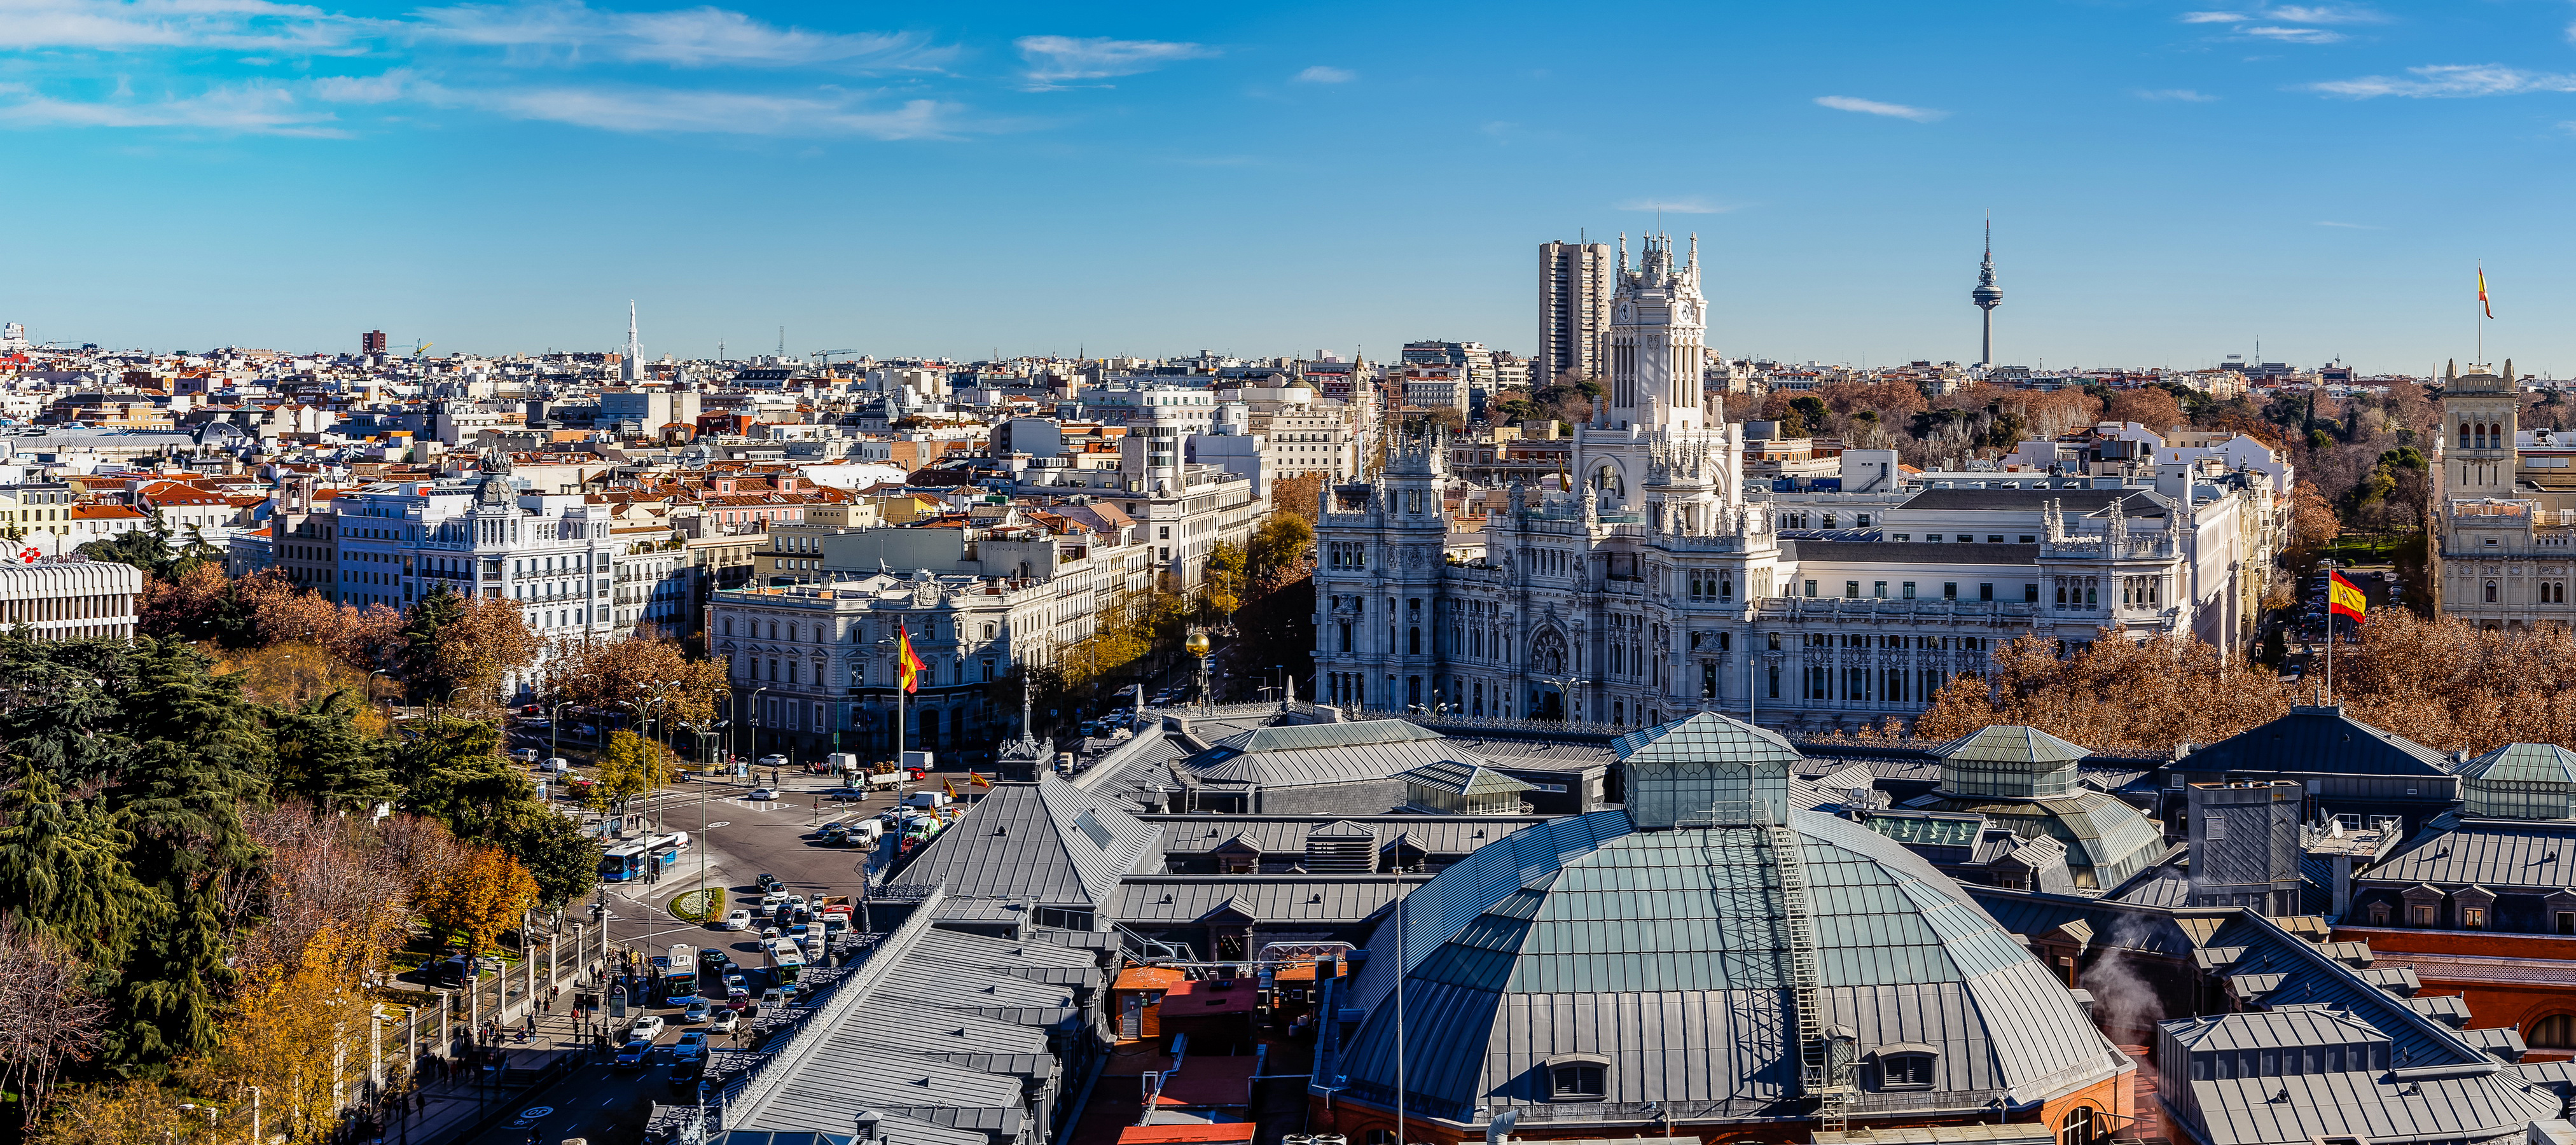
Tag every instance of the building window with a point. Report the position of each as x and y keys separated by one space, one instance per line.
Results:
x=2419 y=914
x=1905 y=1071
x=2557 y=1032
x=2491 y=588
x=1909 y=590
x=1986 y=592
x=1578 y=1081
x=2379 y=914
x=2473 y=918
x=2079 y=1128
x=2567 y=922
x=1851 y=590
x=1811 y=589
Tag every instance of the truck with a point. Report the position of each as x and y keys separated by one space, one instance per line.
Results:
x=833 y=912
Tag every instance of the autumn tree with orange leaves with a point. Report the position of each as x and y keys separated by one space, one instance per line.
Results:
x=480 y=896
x=2441 y=683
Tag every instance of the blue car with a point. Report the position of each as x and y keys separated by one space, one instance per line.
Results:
x=634 y=1053
x=691 y=1047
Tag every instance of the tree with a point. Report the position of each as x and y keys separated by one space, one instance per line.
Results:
x=479 y=898
x=563 y=861
x=1299 y=497
x=1222 y=583
x=2112 y=694
x=1277 y=554
x=49 y=1016
x=459 y=650
x=629 y=766
x=609 y=673
x=2149 y=406
x=2313 y=524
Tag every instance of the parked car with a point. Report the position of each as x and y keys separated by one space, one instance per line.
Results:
x=690 y=1047
x=526 y=755
x=692 y=1014
x=633 y=1053
x=737 y=920
x=557 y=765
x=647 y=1027
x=725 y=1021
x=763 y=795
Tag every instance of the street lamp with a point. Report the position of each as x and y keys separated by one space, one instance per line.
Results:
x=1197 y=645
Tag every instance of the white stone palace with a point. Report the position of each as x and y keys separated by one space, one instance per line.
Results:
x=1658 y=584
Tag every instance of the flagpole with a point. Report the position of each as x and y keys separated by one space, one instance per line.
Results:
x=2330 y=632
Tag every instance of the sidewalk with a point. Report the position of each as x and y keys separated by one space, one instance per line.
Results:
x=446 y=1109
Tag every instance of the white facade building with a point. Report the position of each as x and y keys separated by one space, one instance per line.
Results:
x=1659 y=585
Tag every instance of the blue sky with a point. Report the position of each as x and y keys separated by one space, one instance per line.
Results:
x=2170 y=181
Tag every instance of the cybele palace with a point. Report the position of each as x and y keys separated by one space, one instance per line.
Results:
x=1659 y=584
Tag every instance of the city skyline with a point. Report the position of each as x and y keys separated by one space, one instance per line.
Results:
x=1155 y=181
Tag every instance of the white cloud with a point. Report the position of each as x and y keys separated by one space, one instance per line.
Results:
x=2348 y=226
x=230 y=110
x=1690 y=206
x=2215 y=17
x=647 y=110
x=384 y=88
x=2450 y=81
x=143 y=25
x=2177 y=95
x=1055 y=59
x=1323 y=74
x=2323 y=14
x=1873 y=107
x=687 y=37
x=2296 y=35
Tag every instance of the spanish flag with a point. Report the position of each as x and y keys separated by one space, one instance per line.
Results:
x=2344 y=598
x=2482 y=292
x=949 y=786
x=907 y=667
x=977 y=778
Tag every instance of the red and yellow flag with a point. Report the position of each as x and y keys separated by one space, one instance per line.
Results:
x=950 y=786
x=2482 y=292
x=907 y=667
x=2344 y=598
x=977 y=778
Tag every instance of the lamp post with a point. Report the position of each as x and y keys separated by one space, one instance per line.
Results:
x=1198 y=646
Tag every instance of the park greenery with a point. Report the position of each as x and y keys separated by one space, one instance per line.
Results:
x=216 y=836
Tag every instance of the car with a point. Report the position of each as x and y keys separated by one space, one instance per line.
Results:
x=733 y=979
x=647 y=1027
x=690 y=1047
x=773 y=761
x=736 y=996
x=633 y=1053
x=692 y=1014
x=844 y=794
x=773 y=998
x=724 y=1022
x=526 y=755
x=763 y=795
x=737 y=920
x=768 y=932
x=797 y=929
x=556 y=765
x=770 y=901
x=769 y=882
x=797 y=901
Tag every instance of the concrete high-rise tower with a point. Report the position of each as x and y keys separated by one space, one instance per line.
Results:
x=632 y=369
x=1574 y=287
x=1987 y=296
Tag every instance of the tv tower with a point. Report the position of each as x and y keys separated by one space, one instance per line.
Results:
x=1987 y=295
x=632 y=369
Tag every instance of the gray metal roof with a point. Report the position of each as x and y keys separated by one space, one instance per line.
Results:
x=1169 y=900
x=1659 y=951
x=2032 y=500
x=1316 y=754
x=2301 y=1025
x=2523 y=763
x=2011 y=743
x=1465 y=779
x=2100 y=831
x=1284 y=835
x=1048 y=842
x=1917 y=553
x=2520 y=854
x=2315 y=741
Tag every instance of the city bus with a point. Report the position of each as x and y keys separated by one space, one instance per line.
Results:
x=785 y=962
x=622 y=863
x=630 y=861
x=680 y=979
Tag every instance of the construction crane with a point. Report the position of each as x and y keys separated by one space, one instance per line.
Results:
x=419 y=349
x=826 y=355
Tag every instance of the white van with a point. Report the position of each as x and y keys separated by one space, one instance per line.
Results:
x=928 y=799
x=864 y=833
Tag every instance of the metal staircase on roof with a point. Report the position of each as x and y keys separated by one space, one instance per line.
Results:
x=1825 y=1062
